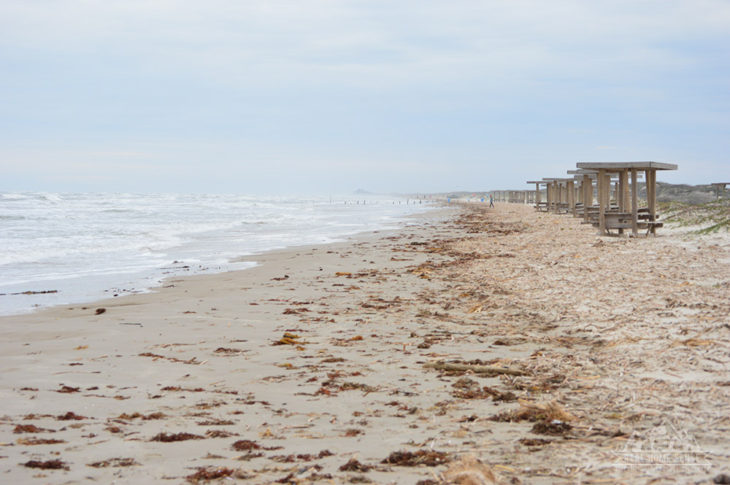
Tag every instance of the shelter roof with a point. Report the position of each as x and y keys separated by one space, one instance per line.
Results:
x=626 y=165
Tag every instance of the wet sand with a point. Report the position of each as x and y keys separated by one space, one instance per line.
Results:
x=576 y=357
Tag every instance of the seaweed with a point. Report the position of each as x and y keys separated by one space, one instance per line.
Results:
x=301 y=457
x=420 y=457
x=290 y=339
x=114 y=462
x=46 y=465
x=172 y=437
x=332 y=360
x=30 y=428
x=70 y=416
x=38 y=441
x=67 y=389
x=534 y=412
x=313 y=477
x=534 y=442
x=355 y=466
x=555 y=428
x=484 y=393
x=228 y=351
x=210 y=473
x=216 y=422
x=136 y=415
x=245 y=445
x=192 y=361
x=219 y=433
x=249 y=456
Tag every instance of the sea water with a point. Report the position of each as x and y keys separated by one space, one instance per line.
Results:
x=73 y=248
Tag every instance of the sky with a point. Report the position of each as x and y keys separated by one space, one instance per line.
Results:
x=323 y=96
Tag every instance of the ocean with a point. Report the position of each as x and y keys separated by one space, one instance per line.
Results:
x=74 y=248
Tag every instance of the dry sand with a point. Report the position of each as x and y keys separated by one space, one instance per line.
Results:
x=618 y=351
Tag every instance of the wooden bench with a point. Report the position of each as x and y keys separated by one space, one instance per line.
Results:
x=617 y=220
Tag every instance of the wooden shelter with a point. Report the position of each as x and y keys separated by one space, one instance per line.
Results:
x=586 y=193
x=560 y=194
x=539 y=205
x=513 y=196
x=621 y=218
x=720 y=188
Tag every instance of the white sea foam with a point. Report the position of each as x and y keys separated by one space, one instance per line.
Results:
x=87 y=246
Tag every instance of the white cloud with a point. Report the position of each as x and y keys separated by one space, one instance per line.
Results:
x=317 y=37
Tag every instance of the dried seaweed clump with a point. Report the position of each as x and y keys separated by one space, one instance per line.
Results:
x=32 y=441
x=114 y=462
x=205 y=474
x=533 y=412
x=549 y=418
x=290 y=339
x=169 y=438
x=301 y=457
x=246 y=445
x=67 y=389
x=355 y=466
x=46 y=465
x=555 y=428
x=469 y=389
x=420 y=457
x=70 y=416
x=136 y=415
x=30 y=428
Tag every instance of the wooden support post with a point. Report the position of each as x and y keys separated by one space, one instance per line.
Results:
x=626 y=198
x=587 y=196
x=553 y=195
x=620 y=192
x=548 y=197
x=651 y=197
x=602 y=196
x=551 y=207
x=621 y=188
x=559 y=187
x=580 y=193
x=571 y=197
x=634 y=204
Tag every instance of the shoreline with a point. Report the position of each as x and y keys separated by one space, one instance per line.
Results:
x=156 y=282
x=323 y=355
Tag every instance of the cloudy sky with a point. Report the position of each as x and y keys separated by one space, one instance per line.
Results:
x=324 y=96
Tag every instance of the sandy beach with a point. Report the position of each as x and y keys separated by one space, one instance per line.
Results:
x=504 y=344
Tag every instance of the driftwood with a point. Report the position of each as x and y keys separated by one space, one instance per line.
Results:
x=477 y=369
